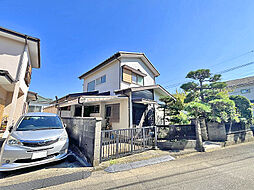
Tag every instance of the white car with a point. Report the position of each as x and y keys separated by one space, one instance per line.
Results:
x=37 y=138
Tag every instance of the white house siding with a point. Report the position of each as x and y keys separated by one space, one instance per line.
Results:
x=10 y=58
x=10 y=53
x=124 y=114
x=112 y=78
x=137 y=64
x=159 y=112
x=237 y=91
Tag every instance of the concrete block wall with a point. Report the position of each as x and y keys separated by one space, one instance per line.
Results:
x=216 y=131
x=85 y=133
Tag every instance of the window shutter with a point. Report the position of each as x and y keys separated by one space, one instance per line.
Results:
x=127 y=76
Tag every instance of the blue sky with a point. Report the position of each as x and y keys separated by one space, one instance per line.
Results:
x=176 y=35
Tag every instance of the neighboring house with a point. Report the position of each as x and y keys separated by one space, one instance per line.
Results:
x=39 y=104
x=122 y=90
x=243 y=87
x=19 y=53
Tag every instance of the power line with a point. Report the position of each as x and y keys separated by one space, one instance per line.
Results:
x=211 y=66
x=234 y=68
x=221 y=72
x=246 y=53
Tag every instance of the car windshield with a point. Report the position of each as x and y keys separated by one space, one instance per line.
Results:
x=39 y=123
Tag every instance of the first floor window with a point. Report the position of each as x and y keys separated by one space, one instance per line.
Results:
x=78 y=111
x=113 y=112
x=91 y=86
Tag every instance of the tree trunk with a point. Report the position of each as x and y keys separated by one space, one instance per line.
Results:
x=199 y=142
x=201 y=91
x=203 y=127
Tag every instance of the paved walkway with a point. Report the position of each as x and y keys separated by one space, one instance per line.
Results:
x=138 y=164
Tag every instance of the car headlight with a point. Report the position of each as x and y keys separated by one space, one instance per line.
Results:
x=63 y=137
x=13 y=141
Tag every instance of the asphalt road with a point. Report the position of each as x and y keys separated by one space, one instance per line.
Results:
x=228 y=168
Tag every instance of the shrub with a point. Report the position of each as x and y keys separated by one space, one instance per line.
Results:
x=243 y=108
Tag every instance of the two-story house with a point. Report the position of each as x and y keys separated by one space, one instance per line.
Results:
x=243 y=87
x=122 y=90
x=19 y=53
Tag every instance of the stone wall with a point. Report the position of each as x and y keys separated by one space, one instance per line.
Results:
x=177 y=145
x=239 y=137
x=85 y=133
x=216 y=131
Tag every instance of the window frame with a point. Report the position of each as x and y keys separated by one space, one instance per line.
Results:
x=136 y=81
x=114 y=115
x=93 y=81
x=245 y=91
x=100 y=80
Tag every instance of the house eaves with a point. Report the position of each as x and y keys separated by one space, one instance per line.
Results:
x=135 y=89
x=240 y=82
x=33 y=43
x=7 y=75
x=122 y=54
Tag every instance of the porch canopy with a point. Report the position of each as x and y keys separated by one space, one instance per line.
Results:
x=91 y=100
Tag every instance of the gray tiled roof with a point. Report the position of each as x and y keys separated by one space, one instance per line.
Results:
x=240 y=82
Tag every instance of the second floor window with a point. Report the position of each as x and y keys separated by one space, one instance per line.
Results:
x=91 y=86
x=101 y=80
x=245 y=91
x=137 y=79
x=131 y=75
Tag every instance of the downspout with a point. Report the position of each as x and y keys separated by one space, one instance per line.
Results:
x=20 y=61
x=129 y=123
x=120 y=76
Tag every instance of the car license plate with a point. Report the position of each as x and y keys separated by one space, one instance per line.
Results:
x=37 y=155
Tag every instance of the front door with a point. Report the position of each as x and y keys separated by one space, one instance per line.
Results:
x=138 y=110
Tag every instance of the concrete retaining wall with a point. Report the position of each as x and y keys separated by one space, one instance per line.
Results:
x=239 y=137
x=178 y=145
x=216 y=131
x=86 y=134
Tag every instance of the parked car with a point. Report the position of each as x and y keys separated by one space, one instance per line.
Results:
x=37 y=138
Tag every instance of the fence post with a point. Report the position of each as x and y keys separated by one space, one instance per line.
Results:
x=155 y=137
x=132 y=140
x=101 y=146
x=117 y=143
x=97 y=142
x=144 y=139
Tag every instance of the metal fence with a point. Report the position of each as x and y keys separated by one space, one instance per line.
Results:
x=176 y=132
x=123 y=142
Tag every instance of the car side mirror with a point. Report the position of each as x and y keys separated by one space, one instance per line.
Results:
x=65 y=125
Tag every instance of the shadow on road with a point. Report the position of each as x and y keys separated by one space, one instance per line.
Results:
x=69 y=162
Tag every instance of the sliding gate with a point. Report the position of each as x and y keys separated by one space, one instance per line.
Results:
x=123 y=142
